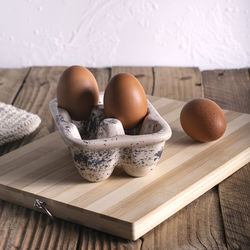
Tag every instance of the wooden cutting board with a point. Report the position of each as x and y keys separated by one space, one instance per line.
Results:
x=122 y=205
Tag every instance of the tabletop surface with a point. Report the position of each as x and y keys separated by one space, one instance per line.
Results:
x=218 y=219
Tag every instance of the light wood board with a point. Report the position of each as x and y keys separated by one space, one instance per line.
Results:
x=125 y=206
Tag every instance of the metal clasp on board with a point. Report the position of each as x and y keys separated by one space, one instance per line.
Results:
x=42 y=205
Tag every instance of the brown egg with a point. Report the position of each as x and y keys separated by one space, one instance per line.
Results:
x=203 y=120
x=125 y=100
x=77 y=92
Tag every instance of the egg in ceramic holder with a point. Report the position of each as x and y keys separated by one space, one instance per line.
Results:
x=100 y=144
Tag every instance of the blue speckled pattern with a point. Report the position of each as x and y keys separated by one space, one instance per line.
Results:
x=99 y=144
x=138 y=161
x=95 y=165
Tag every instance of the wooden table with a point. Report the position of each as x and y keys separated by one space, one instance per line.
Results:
x=219 y=219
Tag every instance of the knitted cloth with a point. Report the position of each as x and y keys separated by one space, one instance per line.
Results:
x=15 y=123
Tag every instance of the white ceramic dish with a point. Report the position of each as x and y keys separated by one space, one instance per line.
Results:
x=99 y=144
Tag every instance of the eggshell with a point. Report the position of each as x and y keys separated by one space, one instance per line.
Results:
x=125 y=100
x=203 y=120
x=77 y=92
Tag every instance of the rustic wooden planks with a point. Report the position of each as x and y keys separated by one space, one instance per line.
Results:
x=235 y=205
x=38 y=90
x=11 y=81
x=230 y=89
x=35 y=91
x=22 y=228
x=93 y=239
x=129 y=207
x=171 y=228
x=177 y=83
x=197 y=226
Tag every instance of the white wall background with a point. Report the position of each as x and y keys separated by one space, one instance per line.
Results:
x=205 y=33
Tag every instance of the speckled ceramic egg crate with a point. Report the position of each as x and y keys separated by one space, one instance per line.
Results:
x=100 y=144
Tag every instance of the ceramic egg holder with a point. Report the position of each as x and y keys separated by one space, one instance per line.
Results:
x=100 y=144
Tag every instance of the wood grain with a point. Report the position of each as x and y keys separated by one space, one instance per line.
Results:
x=22 y=228
x=129 y=207
x=165 y=234
x=102 y=76
x=37 y=89
x=143 y=74
x=178 y=83
x=91 y=239
x=235 y=206
x=11 y=81
x=230 y=89
x=197 y=226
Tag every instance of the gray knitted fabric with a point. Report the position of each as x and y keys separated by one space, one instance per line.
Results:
x=15 y=123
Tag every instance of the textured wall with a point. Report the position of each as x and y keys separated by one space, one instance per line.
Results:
x=208 y=34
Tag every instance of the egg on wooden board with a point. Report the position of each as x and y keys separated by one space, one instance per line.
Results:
x=125 y=100
x=203 y=120
x=77 y=92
